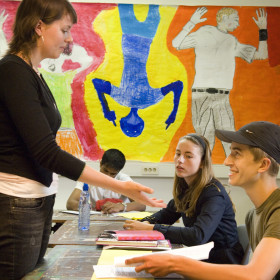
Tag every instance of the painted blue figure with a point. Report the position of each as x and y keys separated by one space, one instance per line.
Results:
x=134 y=91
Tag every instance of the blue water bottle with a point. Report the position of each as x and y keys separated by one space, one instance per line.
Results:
x=84 y=209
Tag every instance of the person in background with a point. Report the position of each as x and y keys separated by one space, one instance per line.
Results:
x=254 y=165
x=201 y=201
x=29 y=154
x=111 y=164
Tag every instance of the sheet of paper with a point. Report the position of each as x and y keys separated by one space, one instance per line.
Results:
x=77 y=212
x=199 y=252
x=133 y=215
x=111 y=263
x=111 y=271
x=107 y=258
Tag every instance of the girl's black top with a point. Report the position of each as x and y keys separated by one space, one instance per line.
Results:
x=214 y=220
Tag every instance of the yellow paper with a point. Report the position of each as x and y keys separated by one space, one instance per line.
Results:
x=107 y=258
x=136 y=215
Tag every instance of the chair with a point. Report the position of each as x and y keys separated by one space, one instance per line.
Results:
x=244 y=241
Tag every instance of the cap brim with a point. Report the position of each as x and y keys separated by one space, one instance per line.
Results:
x=233 y=136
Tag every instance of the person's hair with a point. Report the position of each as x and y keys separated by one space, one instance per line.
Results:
x=186 y=196
x=260 y=154
x=224 y=12
x=113 y=158
x=29 y=13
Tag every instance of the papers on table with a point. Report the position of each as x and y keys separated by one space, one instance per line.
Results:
x=199 y=252
x=134 y=215
x=111 y=271
x=120 y=270
x=92 y=212
x=77 y=212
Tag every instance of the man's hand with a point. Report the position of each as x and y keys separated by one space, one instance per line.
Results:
x=261 y=20
x=136 y=225
x=158 y=265
x=196 y=17
x=111 y=207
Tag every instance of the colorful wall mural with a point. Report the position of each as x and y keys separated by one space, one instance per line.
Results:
x=141 y=76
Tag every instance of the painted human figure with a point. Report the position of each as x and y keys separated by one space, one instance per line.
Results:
x=3 y=40
x=62 y=72
x=215 y=53
x=134 y=90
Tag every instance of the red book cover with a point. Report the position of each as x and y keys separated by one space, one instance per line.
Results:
x=139 y=235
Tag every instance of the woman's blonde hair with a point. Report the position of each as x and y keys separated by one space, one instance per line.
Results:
x=186 y=196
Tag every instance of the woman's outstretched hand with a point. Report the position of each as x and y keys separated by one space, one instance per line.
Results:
x=131 y=189
x=136 y=192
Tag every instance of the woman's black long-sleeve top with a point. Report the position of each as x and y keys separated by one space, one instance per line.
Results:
x=214 y=220
x=29 y=121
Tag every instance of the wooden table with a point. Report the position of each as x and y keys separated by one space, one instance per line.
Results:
x=71 y=262
x=68 y=233
x=73 y=253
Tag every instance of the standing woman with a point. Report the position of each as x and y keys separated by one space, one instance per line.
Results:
x=29 y=154
x=201 y=201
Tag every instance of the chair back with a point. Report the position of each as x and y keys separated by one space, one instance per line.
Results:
x=244 y=241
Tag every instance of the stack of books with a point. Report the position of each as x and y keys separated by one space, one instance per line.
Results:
x=133 y=239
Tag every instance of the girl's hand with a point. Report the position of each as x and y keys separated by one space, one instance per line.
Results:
x=136 y=225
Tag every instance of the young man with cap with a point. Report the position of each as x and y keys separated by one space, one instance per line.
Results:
x=254 y=164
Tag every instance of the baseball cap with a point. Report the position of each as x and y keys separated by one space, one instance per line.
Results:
x=261 y=134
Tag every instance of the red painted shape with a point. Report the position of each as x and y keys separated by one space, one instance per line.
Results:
x=273 y=41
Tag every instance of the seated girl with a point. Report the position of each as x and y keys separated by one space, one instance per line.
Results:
x=201 y=201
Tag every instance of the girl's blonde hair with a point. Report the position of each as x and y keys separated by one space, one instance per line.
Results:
x=186 y=196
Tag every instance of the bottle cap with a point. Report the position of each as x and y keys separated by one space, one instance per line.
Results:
x=85 y=187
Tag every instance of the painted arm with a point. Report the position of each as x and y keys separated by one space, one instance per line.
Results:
x=261 y=22
x=3 y=41
x=195 y=18
x=176 y=88
x=104 y=87
x=264 y=265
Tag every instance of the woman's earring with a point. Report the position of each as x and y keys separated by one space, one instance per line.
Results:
x=43 y=39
